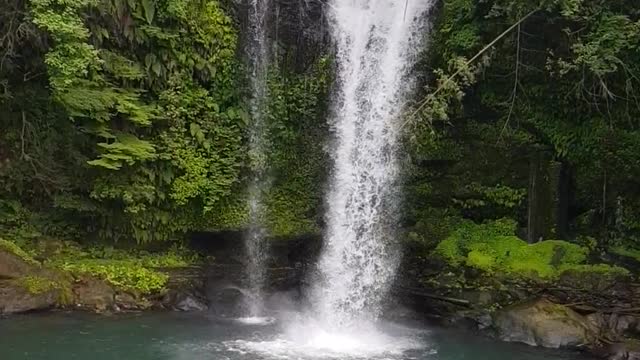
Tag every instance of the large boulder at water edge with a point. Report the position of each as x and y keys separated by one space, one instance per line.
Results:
x=22 y=288
x=543 y=323
x=17 y=297
x=13 y=264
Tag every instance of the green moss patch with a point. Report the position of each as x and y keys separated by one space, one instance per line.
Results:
x=123 y=274
x=36 y=285
x=131 y=270
x=626 y=252
x=492 y=248
x=14 y=249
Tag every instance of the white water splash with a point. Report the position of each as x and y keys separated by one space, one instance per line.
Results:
x=255 y=241
x=377 y=43
x=309 y=341
x=256 y=320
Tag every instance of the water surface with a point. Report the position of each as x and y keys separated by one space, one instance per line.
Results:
x=160 y=336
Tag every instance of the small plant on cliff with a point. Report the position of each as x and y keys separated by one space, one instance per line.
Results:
x=469 y=236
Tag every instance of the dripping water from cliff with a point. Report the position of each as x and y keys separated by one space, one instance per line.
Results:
x=257 y=50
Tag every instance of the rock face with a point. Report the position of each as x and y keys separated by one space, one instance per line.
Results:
x=15 y=296
x=543 y=323
x=93 y=294
x=188 y=302
x=17 y=299
x=12 y=266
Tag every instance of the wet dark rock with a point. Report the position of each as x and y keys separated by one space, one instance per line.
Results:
x=627 y=350
x=543 y=323
x=188 y=303
x=127 y=302
x=227 y=300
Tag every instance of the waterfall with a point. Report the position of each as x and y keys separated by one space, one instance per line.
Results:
x=377 y=42
x=255 y=241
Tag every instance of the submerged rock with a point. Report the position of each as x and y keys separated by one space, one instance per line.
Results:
x=184 y=300
x=187 y=302
x=543 y=323
x=627 y=350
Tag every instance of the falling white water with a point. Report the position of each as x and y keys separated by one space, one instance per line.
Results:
x=255 y=242
x=377 y=42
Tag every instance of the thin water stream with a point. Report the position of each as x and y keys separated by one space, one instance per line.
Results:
x=255 y=238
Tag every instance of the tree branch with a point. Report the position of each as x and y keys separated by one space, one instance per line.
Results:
x=469 y=62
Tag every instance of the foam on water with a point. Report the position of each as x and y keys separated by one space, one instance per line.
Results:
x=256 y=320
x=310 y=341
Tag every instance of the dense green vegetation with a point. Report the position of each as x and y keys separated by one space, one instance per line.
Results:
x=57 y=263
x=531 y=113
x=124 y=122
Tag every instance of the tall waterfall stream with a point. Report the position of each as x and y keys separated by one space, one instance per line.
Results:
x=376 y=43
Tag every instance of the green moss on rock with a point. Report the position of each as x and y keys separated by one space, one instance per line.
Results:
x=491 y=247
x=626 y=252
x=123 y=274
x=41 y=284
x=14 y=249
x=36 y=285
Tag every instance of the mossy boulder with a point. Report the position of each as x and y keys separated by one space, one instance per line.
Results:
x=15 y=263
x=542 y=323
x=26 y=285
x=594 y=278
x=24 y=295
x=492 y=248
x=22 y=288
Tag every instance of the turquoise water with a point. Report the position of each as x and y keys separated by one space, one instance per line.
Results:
x=196 y=336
